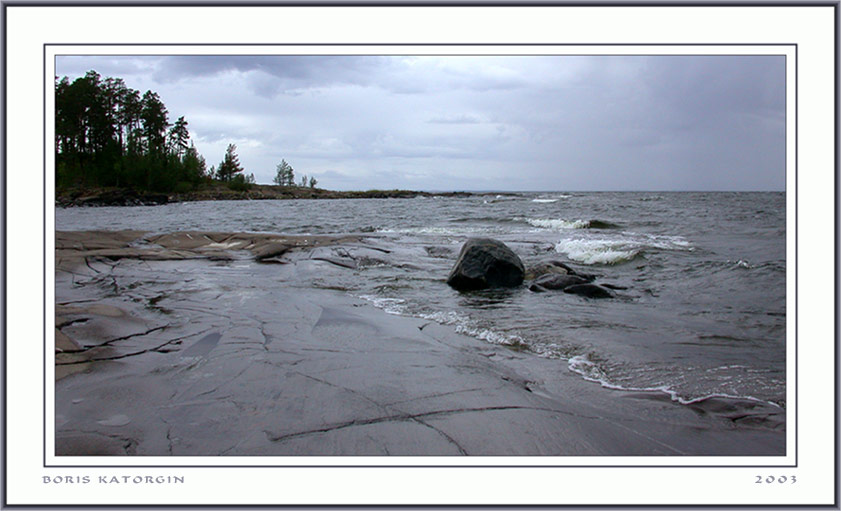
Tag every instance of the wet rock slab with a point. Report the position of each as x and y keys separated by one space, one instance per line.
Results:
x=201 y=355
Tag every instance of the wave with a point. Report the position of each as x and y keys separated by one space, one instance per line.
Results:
x=394 y=306
x=590 y=371
x=485 y=219
x=622 y=248
x=743 y=264
x=560 y=223
x=466 y=326
x=597 y=251
x=664 y=242
x=582 y=365
x=461 y=323
x=553 y=198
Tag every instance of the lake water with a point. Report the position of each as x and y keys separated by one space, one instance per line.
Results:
x=704 y=312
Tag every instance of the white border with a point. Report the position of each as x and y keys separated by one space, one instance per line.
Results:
x=810 y=28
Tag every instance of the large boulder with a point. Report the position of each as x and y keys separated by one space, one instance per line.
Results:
x=484 y=263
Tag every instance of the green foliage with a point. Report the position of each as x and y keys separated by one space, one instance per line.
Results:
x=194 y=166
x=230 y=167
x=313 y=182
x=108 y=135
x=285 y=174
x=239 y=183
x=184 y=187
x=178 y=137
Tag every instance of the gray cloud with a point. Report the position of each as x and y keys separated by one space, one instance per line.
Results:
x=534 y=122
x=455 y=119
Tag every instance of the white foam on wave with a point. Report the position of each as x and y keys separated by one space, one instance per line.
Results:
x=466 y=326
x=544 y=200
x=390 y=305
x=664 y=242
x=624 y=247
x=555 y=223
x=597 y=251
x=590 y=371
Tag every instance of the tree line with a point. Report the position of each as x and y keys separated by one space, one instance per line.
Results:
x=285 y=176
x=109 y=135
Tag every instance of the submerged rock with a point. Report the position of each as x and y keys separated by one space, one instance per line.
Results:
x=556 y=281
x=590 y=291
x=547 y=267
x=484 y=263
x=555 y=268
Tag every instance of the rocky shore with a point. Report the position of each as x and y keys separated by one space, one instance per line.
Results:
x=199 y=343
x=130 y=197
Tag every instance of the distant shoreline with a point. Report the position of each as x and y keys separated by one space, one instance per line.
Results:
x=130 y=197
x=75 y=197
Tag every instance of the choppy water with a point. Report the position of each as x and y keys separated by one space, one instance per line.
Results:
x=704 y=313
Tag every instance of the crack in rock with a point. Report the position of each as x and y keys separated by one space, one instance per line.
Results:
x=70 y=322
x=354 y=392
x=168 y=435
x=430 y=396
x=123 y=338
x=125 y=355
x=450 y=439
x=406 y=417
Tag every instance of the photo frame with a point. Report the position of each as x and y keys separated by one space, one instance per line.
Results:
x=806 y=475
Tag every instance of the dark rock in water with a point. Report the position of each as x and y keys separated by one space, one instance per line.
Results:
x=556 y=268
x=589 y=290
x=613 y=286
x=484 y=263
x=556 y=281
x=547 y=267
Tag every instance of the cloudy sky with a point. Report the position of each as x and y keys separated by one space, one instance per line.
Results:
x=479 y=123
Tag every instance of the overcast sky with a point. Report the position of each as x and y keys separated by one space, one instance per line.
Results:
x=479 y=123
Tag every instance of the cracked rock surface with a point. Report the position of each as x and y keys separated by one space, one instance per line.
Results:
x=190 y=344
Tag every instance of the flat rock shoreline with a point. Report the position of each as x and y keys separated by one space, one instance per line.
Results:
x=209 y=344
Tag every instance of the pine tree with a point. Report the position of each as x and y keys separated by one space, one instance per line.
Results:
x=194 y=165
x=179 y=136
x=153 y=115
x=285 y=174
x=230 y=165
